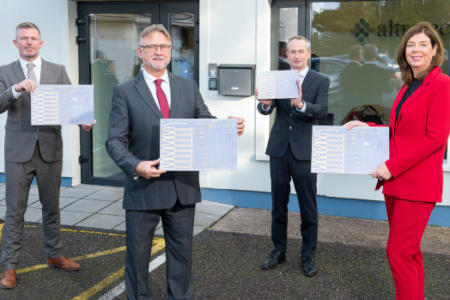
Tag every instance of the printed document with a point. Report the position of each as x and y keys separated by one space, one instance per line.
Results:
x=198 y=144
x=277 y=84
x=356 y=151
x=56 y=104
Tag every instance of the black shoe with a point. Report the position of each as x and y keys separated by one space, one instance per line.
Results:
x=275 y=258
x=309 y=268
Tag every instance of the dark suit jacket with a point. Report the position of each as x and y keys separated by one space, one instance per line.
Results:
x=294 y=127
x=20 y=136
x=134 y=136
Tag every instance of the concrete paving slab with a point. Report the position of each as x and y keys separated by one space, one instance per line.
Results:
x=3 y=202
x=76 y=193
x=33 y=200
x=2 y=195
x=87 y=205
x=120 y=227
x=34 y=190
x=72 y=217
x=2 y=212
x=33 y=214
x=102 y=221
x=204 y=219
x=114 y=209
x=213 y=208
x=64 y=202
x=108 y=195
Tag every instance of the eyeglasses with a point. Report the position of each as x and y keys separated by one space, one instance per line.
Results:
x=154 y=47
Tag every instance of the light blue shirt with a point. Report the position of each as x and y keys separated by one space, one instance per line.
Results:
x=150 y=80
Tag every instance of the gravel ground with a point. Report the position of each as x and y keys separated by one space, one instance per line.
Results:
x=350 y=257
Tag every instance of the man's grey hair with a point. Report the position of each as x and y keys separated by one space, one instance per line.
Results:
x=302 y=38
x=155 y=27
x=26 y=25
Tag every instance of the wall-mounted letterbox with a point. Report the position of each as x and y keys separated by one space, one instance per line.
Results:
x=236 y=80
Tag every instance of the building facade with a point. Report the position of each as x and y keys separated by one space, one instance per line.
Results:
x=96 y=41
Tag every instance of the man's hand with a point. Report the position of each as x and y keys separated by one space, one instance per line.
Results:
x=148 y=169
x=355 y=123
x=298 y=102
x=27 y=85
x=381 y=172
x=88 y=127
x=240 y=125
x=265 y=102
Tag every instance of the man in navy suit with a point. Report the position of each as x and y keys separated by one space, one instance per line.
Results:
x=152 y=194
x=289 y=148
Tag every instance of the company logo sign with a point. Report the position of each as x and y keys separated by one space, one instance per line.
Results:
x=360 y=31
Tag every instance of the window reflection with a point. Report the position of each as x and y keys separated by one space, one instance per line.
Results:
x=355 y=45
x=182 y=31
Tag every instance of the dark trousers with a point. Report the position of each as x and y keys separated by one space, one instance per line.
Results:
x=281 y=172
x=178 y=224
x=18 y=180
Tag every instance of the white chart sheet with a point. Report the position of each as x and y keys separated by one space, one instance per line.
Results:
x=62 y=104
x=356 y=151
x=198 y=144
x=277 y=84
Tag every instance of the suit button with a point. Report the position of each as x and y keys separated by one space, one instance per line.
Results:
x=290 y=127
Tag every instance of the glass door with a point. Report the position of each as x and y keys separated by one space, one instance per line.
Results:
x=108 y=34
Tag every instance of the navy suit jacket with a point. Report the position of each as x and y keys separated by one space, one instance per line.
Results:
x=134 y=136
x=294 y=128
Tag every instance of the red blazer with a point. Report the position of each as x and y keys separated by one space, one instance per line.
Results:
x=418 y=140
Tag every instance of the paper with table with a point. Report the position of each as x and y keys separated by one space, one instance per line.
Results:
x=198 y=144
x=55 y=104
x=277 y=84
x=356 y=151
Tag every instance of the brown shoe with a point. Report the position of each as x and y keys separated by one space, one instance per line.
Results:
x=8 y=280
x=64 y=263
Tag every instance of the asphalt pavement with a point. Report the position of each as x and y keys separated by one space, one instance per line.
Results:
x=229 y=246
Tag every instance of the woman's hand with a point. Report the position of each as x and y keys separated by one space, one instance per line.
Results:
x=381 y=172
x=355 y=123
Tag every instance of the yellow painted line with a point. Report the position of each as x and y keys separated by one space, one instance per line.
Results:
x=1 y=231
x=93 y=232
x=85 y=231
x=157 y=245
x=87 y=256
x=101 y=285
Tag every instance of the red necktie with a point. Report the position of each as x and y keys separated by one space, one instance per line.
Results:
x=162 y=99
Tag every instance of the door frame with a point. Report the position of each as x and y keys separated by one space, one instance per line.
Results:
x=159 y=14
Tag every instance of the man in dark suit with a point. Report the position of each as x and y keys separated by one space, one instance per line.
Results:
x=152 y=194
x=289 y=148
x=30 y=151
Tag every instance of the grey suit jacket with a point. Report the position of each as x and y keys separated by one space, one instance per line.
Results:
x=294 y=128
x=134 y=136
x=20 y=136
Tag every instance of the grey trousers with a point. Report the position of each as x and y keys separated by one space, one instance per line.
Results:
x=19 y=177
x=178 y=224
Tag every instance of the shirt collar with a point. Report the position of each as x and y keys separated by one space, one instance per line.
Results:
x=303 y=72
x=37 y=62
x=149 y=77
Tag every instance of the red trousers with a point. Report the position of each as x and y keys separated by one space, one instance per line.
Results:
x=407 y=222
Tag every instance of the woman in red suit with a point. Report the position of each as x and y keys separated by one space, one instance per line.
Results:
x=412 y=178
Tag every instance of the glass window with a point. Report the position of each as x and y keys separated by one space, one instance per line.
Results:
x=355 y=45
x=114 y=39
x=181 y=27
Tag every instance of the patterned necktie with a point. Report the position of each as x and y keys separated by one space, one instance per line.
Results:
x=31 y=74
x=162 y=99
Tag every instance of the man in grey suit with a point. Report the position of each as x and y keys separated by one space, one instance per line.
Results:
x=289 y=148
x=151 y=193
x=30 y=151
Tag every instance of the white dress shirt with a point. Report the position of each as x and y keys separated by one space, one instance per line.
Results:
x=37 y=70
x=150 y=80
